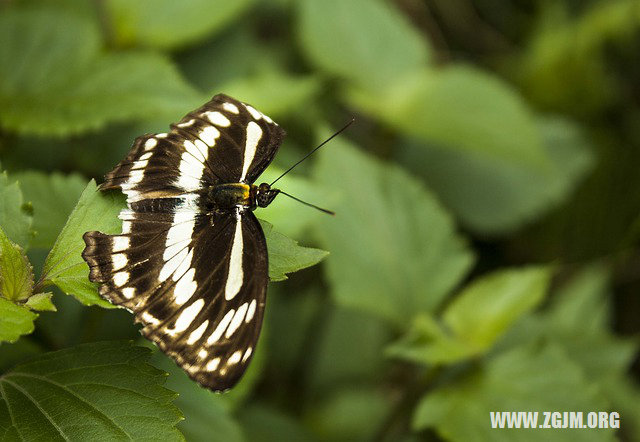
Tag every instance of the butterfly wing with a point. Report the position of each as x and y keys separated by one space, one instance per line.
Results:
x=223 y=141
x=249 y=139
x=197 y=282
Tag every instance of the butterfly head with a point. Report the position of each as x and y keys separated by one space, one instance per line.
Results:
x=265 y=195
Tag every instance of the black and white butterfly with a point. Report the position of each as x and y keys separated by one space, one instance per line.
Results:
x=191 y=261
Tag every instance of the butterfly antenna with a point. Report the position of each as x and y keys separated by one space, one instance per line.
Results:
x=308 y=204
x=311 y=153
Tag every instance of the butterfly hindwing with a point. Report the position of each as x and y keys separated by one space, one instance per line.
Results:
x=202 y=302
x=217 y=345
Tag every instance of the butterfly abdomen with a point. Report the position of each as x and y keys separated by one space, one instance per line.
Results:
x=157 y=205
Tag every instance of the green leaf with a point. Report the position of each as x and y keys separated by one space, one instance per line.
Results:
x=494 y=196
x=64 y=265
x=463 y=109
x=15 y=218
x=101 y=390
x=569 y=53
x=427 y=342
x=201 y=64
x=579 y=320
x=483 y=311
x=15 y=321
x=582 y=303
x=475 y=319
x=525 y=379
x=366 y=41
x=41 y=302
x=394 y=250
x=275 y=93
x=166 y=24
x=53 y=198
x=625 y=394
x=286 y=256
x=16 y=272
x=54 y=80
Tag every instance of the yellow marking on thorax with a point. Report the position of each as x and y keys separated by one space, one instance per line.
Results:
x=246 y=191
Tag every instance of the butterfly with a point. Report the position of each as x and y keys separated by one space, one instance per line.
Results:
x=191 y=262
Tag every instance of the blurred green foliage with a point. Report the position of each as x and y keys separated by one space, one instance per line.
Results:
x=484 y=256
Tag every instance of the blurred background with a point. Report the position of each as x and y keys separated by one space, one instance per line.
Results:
x=484 y=255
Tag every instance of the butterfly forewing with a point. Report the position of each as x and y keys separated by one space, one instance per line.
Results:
x=194 y=276
x=223 y=141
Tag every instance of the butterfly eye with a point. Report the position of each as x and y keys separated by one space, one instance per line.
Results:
x=266 y=195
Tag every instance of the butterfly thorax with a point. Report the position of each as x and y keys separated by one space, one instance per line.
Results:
x=231 y=195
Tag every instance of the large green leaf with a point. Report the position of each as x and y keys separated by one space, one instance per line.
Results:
x=483 y=311
x=273 y=92
x=366 y=41
x=494 y=196
x=476 y=318
x=15 y=217
x=54 y=80
x=525 y=379
x=201 y=64
x=579 y=320
x=64 y=265
x=53 y=197
x=169 y=24
x=394 y=250
x=428 y=342
x=462 y=109
x=101 y=391
x=570 y=53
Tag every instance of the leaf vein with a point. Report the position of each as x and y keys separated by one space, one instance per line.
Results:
x=13 y=422
x=44 y=413
x=114 y=387
x=79 y=398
